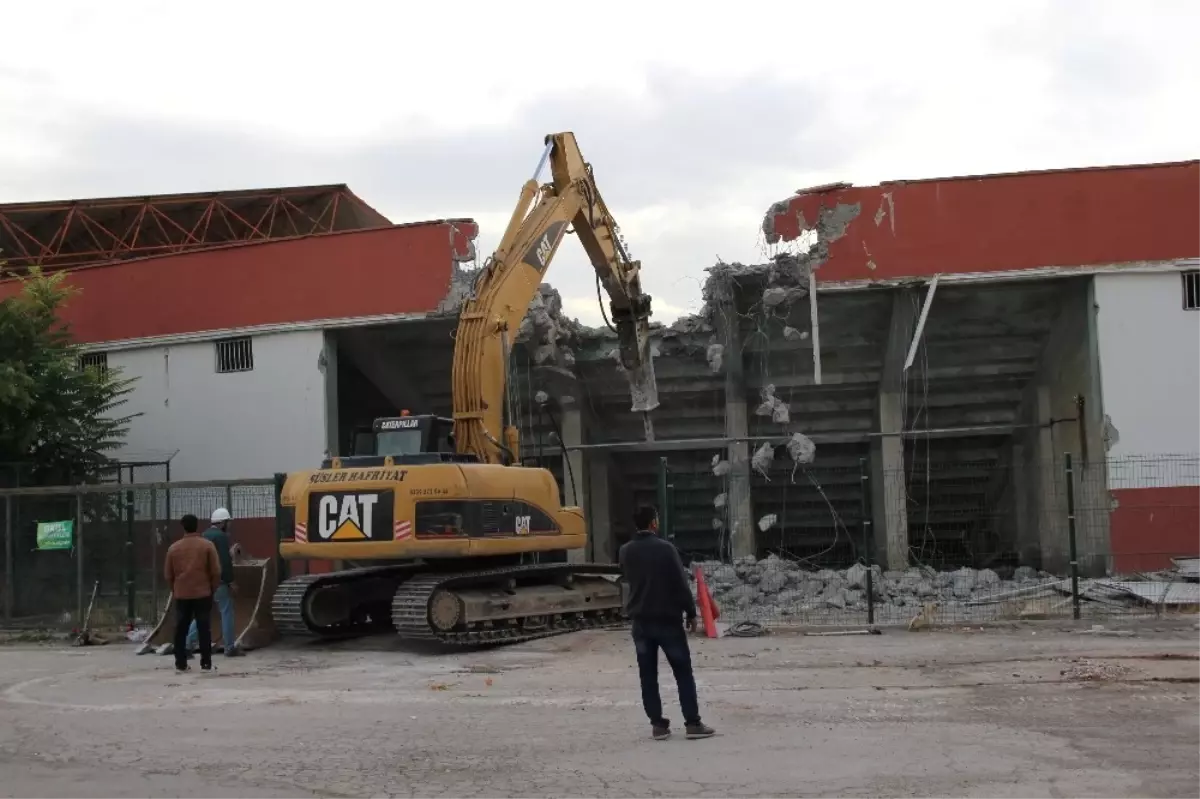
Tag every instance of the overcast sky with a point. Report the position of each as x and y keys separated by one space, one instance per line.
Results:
x=695 y=120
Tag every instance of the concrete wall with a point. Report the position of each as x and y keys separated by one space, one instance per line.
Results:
x=1150 y=368
x=234 y=425
x=1150 y=364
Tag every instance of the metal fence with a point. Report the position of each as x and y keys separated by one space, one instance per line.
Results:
x=808 y=544
x=110 y=539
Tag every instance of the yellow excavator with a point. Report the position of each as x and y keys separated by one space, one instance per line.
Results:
x=449 y=537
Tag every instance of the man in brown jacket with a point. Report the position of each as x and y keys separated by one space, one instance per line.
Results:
x=193 y=571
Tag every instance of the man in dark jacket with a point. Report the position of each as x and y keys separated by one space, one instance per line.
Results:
x=659 y=599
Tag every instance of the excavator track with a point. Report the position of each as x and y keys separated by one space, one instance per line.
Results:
x=411 y=614
x=288 y=606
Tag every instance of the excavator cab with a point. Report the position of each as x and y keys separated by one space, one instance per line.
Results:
x=408 y=439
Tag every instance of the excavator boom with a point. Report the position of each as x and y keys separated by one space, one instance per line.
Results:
x=509 y=281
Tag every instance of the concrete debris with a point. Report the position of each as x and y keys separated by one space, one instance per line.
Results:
x=720 y=500
x=1188 y=568
x=541 y=398
x=718 y=524
x=772 y=406
x=462 y=286
x=784 y=587
x=801 y=448
x=767 y=522
x=1094 y=670
x=715 y=354
x=762 y=459
x=720 y=468
x=792 y=334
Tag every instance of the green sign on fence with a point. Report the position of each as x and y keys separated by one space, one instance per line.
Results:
x=55 y=535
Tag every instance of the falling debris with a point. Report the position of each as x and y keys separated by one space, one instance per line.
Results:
x=718 y=524
x=720 y=468
x=541 y=398
x=801 y=448
x=772 y=406
x=716 y=353
x=767 y=522
x=720 y=500
x=792 y=334
x=763 y=457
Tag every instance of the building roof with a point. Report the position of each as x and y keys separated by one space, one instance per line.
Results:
x=1066 y=218
x=66 y=234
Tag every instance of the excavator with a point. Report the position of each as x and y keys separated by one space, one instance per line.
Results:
x=445 y=536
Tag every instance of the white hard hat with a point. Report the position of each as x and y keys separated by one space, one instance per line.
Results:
x=220 y=515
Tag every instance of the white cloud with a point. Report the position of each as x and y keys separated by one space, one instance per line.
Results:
x=695 y=121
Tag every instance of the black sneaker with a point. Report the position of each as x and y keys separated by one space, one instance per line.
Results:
x=661 y=732
x=236 y=652
x=209 y=667
x=182 y=669
x=699 y=730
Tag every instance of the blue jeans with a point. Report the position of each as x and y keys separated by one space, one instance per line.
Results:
x=224 y=602
x=648 y=638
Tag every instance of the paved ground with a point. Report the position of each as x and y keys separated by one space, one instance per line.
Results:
x=1033 y=711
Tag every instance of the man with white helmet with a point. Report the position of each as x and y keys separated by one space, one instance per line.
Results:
x=218 y=534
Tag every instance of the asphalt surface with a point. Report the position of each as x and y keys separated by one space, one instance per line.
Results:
x=1031 y=711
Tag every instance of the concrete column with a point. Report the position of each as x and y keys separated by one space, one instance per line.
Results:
x=1068 y=371
x=327 y=363
x=598 y=512
x=889 y=500
x=889 y=492
x=574 y=478
x=740 y=512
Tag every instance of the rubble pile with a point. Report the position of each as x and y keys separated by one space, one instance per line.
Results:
x=782 y=587
x=550 y=335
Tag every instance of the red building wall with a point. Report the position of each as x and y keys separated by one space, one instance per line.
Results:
x=394 y=270
x=1149 y=526
x=992 y=223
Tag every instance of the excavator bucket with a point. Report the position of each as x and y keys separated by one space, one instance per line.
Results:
x=252 y=621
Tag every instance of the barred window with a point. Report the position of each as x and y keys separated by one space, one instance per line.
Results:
x=1191 y=290
x=94 y=360
x=235 y=355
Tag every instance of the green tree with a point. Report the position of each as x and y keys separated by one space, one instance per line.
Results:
x=58 y=422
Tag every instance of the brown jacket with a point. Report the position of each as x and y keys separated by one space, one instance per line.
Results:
x=192 y=567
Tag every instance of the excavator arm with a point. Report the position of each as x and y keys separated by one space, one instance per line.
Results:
x=508 y=282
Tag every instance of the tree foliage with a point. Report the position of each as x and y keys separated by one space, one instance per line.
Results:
x=58 y=422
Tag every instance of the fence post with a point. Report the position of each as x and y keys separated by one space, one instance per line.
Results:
x=1074 y=563
x=229 y=498
x=9 y=570
x=79 y=559
x=130 y=560
x=281 y=530
x=865 y=508
x=664 y=500
x=154 y=555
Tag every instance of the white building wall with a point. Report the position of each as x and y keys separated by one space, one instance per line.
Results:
x=225 y=426
x=1150 y=378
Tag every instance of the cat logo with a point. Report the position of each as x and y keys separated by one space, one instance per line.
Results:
x=543 y=250
x=346 y=518
x=538 y=255
x=522 y=525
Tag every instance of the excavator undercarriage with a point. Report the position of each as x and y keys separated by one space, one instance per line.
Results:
x=428 y=601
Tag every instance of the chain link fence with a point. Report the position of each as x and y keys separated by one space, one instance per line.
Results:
x=62 y=544
x=936 y=543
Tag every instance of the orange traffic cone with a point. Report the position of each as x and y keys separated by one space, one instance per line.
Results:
x=708 y=608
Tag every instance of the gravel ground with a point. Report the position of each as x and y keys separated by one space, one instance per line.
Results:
x=1027 y=711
